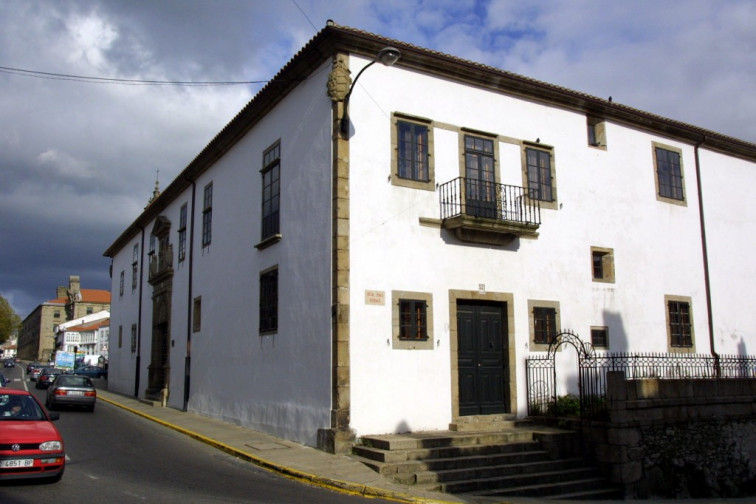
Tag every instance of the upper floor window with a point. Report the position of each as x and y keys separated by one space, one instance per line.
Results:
x=539 y=174
x=181 y=234
x=120 y=286
x=207 y=215
x=134 y=269
x=539 y=178
x=413 y=151
x=480 y=177
x=669 y=174
x=412 y=141
x=271 y=191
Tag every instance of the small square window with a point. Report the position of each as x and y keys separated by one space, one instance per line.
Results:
x=596 y=132
x=599 y=337
x=602 y=264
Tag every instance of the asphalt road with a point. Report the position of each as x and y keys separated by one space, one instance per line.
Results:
x=115 y=457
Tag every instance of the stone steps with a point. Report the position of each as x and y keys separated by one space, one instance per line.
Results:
x=502 y=461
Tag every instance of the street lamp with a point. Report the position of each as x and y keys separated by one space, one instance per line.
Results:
x=388 y=56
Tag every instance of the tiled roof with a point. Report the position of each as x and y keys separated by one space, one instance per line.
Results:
x=95 y=296
x=90 y=327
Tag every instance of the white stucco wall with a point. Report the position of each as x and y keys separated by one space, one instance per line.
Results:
x=607 y=198
x=277 y=383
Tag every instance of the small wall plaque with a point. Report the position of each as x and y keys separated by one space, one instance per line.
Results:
x=375 y=297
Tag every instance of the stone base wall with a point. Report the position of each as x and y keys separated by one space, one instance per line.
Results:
x=677 y=438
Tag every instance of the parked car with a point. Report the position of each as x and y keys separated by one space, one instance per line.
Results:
x=91 y=371
x=37 y=370
x=71 y=390
x=30 y=445
x=47 y=376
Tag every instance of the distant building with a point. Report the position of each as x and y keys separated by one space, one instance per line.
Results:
x=36 y=338
x=9 y=347
x=87 y=334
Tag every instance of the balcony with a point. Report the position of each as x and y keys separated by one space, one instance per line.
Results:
x=487 y=212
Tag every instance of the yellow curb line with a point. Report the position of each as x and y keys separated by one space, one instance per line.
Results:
x=294 y=474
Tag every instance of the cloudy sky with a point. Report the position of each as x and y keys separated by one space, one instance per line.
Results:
x=79 y=157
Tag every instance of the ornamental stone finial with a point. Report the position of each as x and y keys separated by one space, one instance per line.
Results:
x=339 y=79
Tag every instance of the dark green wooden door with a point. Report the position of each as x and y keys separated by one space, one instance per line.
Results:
x=482 y=358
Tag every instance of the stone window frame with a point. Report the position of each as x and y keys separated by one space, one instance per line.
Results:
x=680 y=349
x=406 y=344
x=539 y=303
x=659 y=197
x=396 y=180
x=607 y=263
x=605 y=329
x=596 y=131
x=525 y=146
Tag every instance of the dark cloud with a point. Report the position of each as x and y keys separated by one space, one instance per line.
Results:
x=78 y=161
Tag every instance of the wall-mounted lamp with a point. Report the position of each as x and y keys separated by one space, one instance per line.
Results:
x=388 y=56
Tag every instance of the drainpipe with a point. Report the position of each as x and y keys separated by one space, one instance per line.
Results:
x=707 y=280
x=190 y=307
x=139 y=324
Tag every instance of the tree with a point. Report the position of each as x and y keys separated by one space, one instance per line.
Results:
x=9 y=321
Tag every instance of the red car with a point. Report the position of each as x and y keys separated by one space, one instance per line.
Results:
x=30 y=445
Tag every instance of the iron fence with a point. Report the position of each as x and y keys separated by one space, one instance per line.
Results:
x=593 y=367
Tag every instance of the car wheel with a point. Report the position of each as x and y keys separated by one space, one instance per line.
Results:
x=91 y=409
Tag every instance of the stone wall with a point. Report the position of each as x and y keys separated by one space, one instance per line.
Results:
x=678 y=438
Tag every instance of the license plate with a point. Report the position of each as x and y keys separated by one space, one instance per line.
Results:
x=17 y=463
x=75 y=392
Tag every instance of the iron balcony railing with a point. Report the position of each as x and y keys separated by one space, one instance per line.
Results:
x=476 y=198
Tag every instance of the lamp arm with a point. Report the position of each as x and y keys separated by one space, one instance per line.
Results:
x=344 y=124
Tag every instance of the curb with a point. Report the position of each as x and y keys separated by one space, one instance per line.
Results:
x=291 y=473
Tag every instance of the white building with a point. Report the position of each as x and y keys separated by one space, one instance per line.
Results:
x=318 y=285
x=88 y=334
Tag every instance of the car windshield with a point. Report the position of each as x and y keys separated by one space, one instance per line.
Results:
x=73 y=381
x=19 y=407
